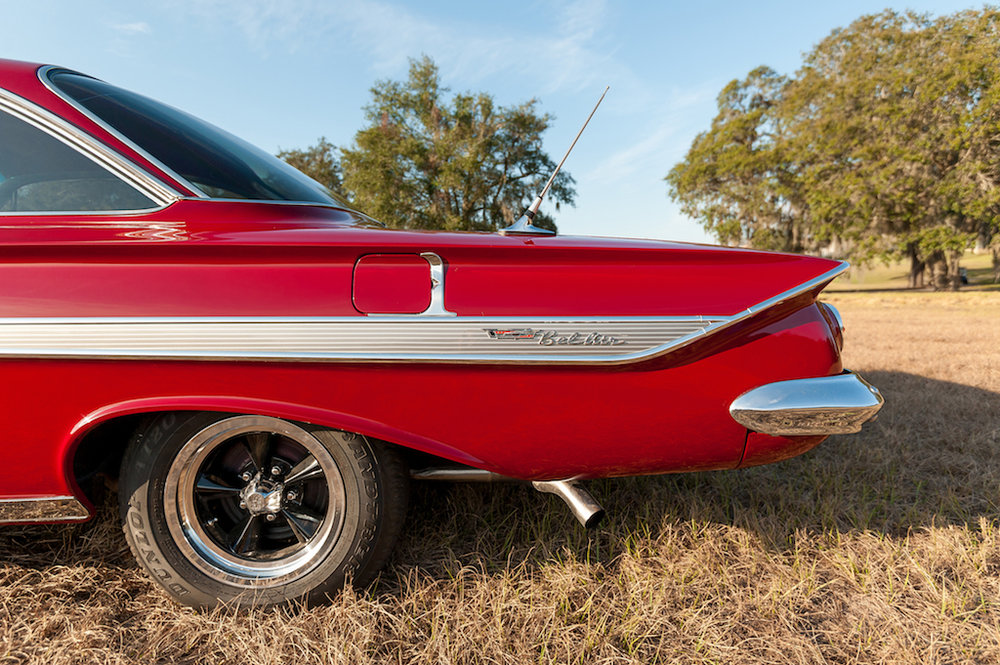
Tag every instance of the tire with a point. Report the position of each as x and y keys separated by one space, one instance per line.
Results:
x=253 y=510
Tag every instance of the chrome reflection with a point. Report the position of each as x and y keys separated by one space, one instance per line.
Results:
x=825 y=405
x=436 y=306
x=581 y=503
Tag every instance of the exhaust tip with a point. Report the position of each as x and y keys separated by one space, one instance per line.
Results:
x=594 y=520
x=581 y=503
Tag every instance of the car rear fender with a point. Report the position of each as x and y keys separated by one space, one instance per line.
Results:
x=288 y=411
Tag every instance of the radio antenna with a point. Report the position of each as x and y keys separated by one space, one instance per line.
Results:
x=523 y=226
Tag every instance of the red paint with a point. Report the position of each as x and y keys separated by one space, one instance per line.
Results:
x=766 y=449
x=392 y=284
x=216 y=258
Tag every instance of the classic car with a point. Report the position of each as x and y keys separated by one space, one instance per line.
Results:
x=264 y=369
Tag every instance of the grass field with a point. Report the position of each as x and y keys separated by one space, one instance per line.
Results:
x=880 y=276
x=882 y=547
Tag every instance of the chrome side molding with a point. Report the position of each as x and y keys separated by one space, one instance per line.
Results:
x=435 y=335
x=42 y=509
x=824 y=405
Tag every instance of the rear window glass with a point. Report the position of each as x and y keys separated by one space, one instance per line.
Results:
x=216 y=162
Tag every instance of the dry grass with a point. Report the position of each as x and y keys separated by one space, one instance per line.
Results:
x=882 y=547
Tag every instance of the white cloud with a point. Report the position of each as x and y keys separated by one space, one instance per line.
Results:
x=563 y=50
x=137 y=28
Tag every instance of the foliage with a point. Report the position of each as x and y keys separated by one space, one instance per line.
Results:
x=426 y=162
x=732 y=178
x=320 y=162
x=884 y=144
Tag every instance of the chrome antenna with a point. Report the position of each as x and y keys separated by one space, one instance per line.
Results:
x=523 y=225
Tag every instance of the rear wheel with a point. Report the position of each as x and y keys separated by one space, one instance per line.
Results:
x=257 y=510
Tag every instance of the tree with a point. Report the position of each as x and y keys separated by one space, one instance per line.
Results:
x=320 y=162
x=465 y=164
x=733 y=178
x=884 y=143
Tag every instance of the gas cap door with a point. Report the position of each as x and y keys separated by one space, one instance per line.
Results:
x=392 y=284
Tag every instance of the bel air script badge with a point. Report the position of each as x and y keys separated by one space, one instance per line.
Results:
x=554 y=337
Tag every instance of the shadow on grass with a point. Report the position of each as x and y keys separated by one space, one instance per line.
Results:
x=99 y=542
x=932 y=458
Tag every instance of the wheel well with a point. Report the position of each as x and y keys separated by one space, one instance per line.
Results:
x=97 y=458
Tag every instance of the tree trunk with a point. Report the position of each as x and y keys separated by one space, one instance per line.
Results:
x=954 y=275
x=983 y=238
x=916 y=278
x=938 y=267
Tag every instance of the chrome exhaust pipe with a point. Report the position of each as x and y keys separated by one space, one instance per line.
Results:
x=458 y=475
x=583 y=506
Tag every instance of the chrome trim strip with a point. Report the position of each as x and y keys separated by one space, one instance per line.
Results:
x=88 y=146
x=411 y=338
x=798 y=290
x=436 y=307
x=389 y=338
x=42 y=509
x=838 y=404
x=277 y=202
x=43 y=76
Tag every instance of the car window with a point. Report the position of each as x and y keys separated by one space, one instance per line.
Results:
x=38 y=173
x=213 y=160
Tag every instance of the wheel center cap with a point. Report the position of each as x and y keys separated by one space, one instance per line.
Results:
x=259 y=500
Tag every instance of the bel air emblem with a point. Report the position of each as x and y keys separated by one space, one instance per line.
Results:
x=554 y=337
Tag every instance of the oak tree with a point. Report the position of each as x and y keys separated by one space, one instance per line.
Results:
x=427 y=160
x=883 y=145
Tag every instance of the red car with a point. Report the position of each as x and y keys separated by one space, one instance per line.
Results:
x=265 y=369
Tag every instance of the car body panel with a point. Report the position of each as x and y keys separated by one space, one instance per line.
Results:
x=543 y=395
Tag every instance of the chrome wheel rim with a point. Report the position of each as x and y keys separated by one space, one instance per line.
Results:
x=254 y=501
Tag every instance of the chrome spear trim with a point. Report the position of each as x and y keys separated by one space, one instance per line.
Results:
x=523 y=226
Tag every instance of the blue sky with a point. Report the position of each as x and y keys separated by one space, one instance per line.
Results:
x=282 y=73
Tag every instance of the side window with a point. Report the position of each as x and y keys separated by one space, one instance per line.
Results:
x=38 y=173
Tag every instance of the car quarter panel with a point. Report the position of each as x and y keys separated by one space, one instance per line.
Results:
x=197 y=258
x=519 y=421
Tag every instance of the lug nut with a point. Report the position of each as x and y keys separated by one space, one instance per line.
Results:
x=246 y=476
x=243 y=505
x=271 y=517
x=291 y=495
x=275 y=470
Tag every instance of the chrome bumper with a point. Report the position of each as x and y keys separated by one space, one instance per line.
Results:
x=838 y=404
